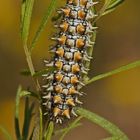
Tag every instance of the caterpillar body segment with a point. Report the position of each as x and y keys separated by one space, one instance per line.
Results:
x=62 y=91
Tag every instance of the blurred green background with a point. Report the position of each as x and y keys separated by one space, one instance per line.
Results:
x=116 y=98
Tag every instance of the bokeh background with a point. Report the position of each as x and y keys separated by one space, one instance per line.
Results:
x=116 y=98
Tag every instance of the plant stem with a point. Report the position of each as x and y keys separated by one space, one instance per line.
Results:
x=90 y=49
x=29 y=59
x=30 y=65
x=26 y=14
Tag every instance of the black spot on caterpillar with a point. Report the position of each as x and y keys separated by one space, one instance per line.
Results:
x=61 y=94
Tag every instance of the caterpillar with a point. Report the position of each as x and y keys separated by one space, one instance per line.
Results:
x=61 y=93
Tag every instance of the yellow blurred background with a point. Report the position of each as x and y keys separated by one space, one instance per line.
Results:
x=116 y=98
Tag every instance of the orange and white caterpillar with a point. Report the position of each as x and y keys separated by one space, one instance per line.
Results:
x=61 y=94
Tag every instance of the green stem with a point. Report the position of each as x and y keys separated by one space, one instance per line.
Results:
x=29 y=59
x=26 y=14
x=30 y=65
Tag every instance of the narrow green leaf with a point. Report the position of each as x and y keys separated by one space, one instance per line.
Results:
x=43 y=23
x=29 y=93
x=103 y=9
x=109 y=6
x=113 y=72
x=115 y=3
x=23 y=6
x=112 y=6
x=49 y=132
x=44 y=71
x=108 y=11
x=71 y=126
x=6 y=133
x=27 y=19
x=41 y=123
x=65 y=129
x=17 y=128
x=25 y=72
x=27 y=118
x=108 y=126
x=22 y=93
